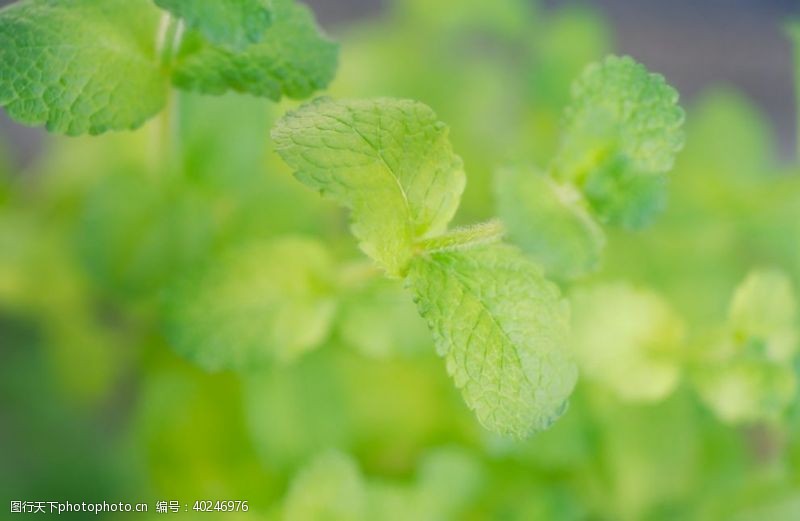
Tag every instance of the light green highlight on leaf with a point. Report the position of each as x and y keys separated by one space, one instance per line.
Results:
x=329 y=488
x=232 y=23
x=628 y=340
x=388 y=160
x=622 y=132
x=502 y=329
x=764 y=308
x=749 y=372
x=293 y=59
x=261 y=303
x=80 y=66
x=549 y=221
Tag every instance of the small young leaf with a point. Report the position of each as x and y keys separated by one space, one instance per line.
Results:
x=80 y=66
x=330 y=487
x=388 y=160
x=749 y=374
x=764 y=309
x=232 y=23
x=621 y=133
x=292 y=59
x=261 y=303
x=549 y=222
x=627 y=339
x=502 y=328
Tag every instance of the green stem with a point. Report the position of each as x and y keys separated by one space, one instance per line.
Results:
x=163 y=141
x=168 y=39
x=464 y=238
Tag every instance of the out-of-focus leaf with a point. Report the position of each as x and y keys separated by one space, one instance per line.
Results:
x=330 y=487
x=748 y=374
x=259 y=303
x=380 y=320
x=622 y=132
x=234 y=23
x=292 y=59
x=549 y=222
x=135 y=236
x=627 y=339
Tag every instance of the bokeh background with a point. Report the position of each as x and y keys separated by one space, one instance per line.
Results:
x=115 y=252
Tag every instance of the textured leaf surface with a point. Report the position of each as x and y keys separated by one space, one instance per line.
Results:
x=749 y=374
x=80 y=66
x=502 y=329
x=628 y=340
x=330 y=488
x=389 y=161
x=261 y=303
x=292 y=59
x=234 y=23
x=622 y=129
x=550 y=222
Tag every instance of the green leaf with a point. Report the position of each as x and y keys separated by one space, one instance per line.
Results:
x=764 y=309
x=260 y=303
x=622 y=132
x=749 y=372
x=388 y=160
x=330 y=487
x=627 y=339
x=232 y=23
x=549 y=221
x=80 y=66
x=623 y=197
x=292 y=59
x=502 y=328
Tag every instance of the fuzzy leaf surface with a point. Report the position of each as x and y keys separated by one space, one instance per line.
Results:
x=502 y=329
x=81 y=66
x=389 y=161
x=292 y=58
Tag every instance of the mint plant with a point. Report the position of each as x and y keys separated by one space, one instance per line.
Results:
x=247 y=349
x=90 y=66
x=500 y=325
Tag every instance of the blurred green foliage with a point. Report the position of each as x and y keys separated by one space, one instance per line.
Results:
x=108 y=244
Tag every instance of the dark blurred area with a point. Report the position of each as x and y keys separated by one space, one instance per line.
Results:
x=695 y=44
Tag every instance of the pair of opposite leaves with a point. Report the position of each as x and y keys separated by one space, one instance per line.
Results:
x=90 y=66
x=502 y=327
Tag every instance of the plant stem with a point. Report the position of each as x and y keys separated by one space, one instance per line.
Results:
x=464 y=238
x=164 y=132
